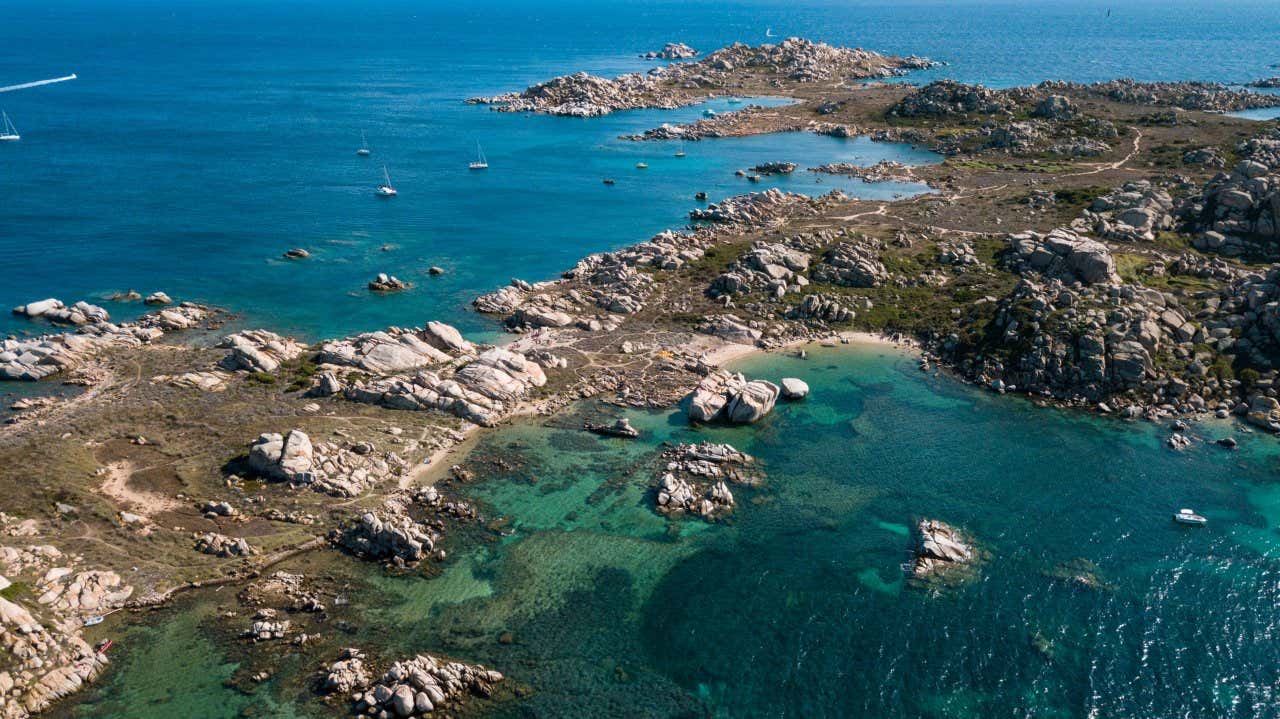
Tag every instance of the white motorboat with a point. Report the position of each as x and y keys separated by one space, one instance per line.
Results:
x=1186 y=516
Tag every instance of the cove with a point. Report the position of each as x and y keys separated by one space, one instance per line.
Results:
x=799 y=606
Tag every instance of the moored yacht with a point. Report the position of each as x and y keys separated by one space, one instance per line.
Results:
x=1186 y=516
x=385 y=189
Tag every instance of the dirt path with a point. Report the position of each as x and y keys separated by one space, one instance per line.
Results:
x=140 y=502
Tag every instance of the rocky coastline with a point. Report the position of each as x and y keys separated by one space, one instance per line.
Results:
x=1109 y=247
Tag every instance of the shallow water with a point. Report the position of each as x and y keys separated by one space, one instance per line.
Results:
x=799 y=606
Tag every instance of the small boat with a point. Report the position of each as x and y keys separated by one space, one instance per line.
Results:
x=385 y=189
x=94 y=621
x=103 y=646
x=680 y=152
x=768 y=32
x=8 y=133
x=734 y=101
x=364 y=146
x=1186 y=516
x=480 y=163
x=642 y=166
x=708 y=113
x=608 y=180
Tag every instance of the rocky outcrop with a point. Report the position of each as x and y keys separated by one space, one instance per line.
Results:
x=792 y=61
x=948 y=98
x=388 y=283
x=423 y=686
x=696 y=480
x=1133 y=213
x=390 y=351
x=775 y=168
x=259 y=351
x=40 y=357
x=671 y=51
x=1055 y=107
x=482 y=391
x=942 y=551
x=81 y=313
x=851 y=264
x=773 y=266
x=619 y=428
x=1064 y=255
x=337 y=469
x=794 y=388
x=757 y=208
x=731 y=398
x=1239 y=212
x=380 y=535
x=347 y=674
x=821 y=308
x=220 y=545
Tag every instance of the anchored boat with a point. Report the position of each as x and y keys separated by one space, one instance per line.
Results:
x=364 y=146
x=8 y=133
x=480 y=163
x=385 y=189
x=1186 y=516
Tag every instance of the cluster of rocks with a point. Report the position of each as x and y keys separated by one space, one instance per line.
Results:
x=393 y=534
x=413 y=688
x=821 y=308
x=1062 y=254
x=53 y=310
x=774 y=266
x=388 y=283
x=724 y=396
x=1202 y=96
x=793 y=60
x=1134 y=212
x=47 y=658
x=775 y=168
x=40 y=357
x=958 y=254
x=852 y=264
x=1239 y=212
x=220 y=545
x=397 y=349
x=671 y=51
x=948 y=98
x=942 y=551
x=696 y=479
x=259 y=351
x=482 y=391
x=618 y=428
x=337 y=469
x=882 y=171
x=266 y=626
x=756 y=208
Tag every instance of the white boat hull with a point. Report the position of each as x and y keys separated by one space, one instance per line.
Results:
x=10 y=138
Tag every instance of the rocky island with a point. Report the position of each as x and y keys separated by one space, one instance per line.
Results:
x=1108 y=247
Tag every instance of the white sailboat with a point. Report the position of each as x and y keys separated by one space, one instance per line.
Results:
x=364 y=146
x=680 y=152
x=8 y=133
x=480 y=163
x=385 y=189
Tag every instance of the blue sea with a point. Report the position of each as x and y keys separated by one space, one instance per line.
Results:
x=203 y=139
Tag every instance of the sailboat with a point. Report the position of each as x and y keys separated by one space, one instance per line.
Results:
x=364 y=146
x=8 y=133
x=480 y=163
x=680 y=152
x=385 y=189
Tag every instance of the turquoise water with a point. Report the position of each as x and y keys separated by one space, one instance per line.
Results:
x=799 y=607
x=204 y=138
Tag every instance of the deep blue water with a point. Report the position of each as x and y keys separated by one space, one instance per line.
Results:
x=204 y=138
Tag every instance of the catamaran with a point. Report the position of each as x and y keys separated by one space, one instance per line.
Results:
x=364 y=146
x=8 y=133
x=480 y=163
x=385 y=189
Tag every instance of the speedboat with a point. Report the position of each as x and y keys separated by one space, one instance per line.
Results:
x=642 y=166
x=1186 y=516
x=608 y=180
x=385 y=189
